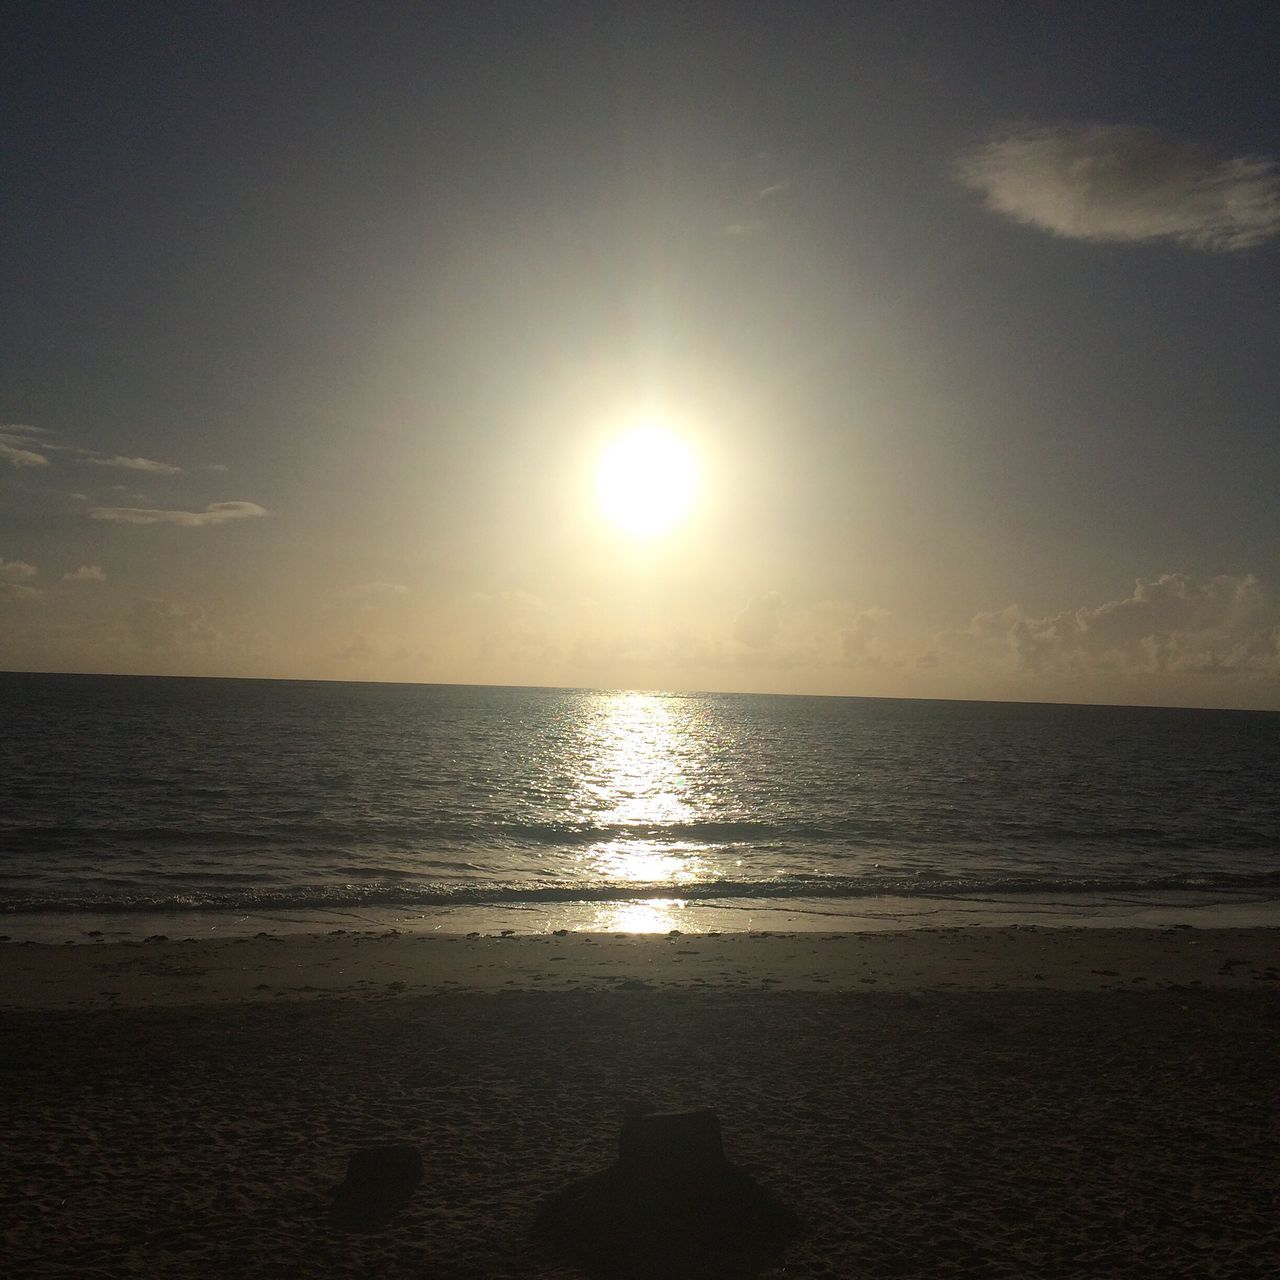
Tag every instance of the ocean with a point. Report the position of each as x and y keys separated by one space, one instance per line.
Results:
x=218 y=805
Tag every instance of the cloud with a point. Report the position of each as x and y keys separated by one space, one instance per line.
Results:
x=165 y=626
x=149 y=465
x=754 y=194
x=358 y=650
x=86 y=573
x=368 y=597
x=16 y=457
x=14 y=575
x=758 y=625
x=1126 y=183
x=14 y=446
x=23 y=446
x=1227 y=625
x=858 y=640
x=773 y=190
x=214 y=513
x=16 y=570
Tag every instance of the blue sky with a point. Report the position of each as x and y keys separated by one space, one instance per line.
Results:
x=320 y=315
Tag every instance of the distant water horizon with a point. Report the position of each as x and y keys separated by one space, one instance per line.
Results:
x=639 y=689
x=226 y=797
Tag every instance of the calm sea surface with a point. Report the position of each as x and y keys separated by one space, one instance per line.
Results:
x=124 y=794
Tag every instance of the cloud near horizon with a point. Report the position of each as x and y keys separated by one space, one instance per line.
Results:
x=860 y=638
x=166 y=626
x=1126 y=183
x=214 y=513
x=759 y=624
x=1227 y=625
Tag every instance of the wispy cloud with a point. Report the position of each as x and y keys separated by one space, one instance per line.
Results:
x=15 y=578
x=381 y=589
x=1126 y=183
x=764 y=189
x=19 y=446
x=214 y=513
x=26 y=446
x=149 y=465
x=85 y=573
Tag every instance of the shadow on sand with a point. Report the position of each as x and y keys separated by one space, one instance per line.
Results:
x=671 y=1205
x=379 y=1183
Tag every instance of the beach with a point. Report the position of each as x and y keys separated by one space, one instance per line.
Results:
x=982 y=1102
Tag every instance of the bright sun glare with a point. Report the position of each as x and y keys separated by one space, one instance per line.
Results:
x=646 y=481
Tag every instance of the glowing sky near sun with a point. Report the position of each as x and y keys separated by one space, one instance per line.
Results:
x=842 y=349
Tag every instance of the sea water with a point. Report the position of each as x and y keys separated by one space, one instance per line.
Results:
x=227 y=802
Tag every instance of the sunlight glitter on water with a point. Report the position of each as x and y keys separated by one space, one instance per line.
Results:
x=654 y=915
x=635 y=774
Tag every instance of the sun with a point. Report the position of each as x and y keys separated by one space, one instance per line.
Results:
x=646 y=481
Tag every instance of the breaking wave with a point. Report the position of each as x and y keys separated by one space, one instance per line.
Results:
x=408 y=895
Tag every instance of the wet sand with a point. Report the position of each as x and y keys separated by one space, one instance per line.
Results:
x=968 y=1102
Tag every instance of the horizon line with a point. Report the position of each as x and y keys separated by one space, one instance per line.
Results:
x=650 y=692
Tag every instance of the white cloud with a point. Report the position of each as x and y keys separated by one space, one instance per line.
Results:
x=24 y=446
x=16 y=457
x=86 y=573
x=14 y=575
x=214 y=513
x=1126 y=183
x=16 y=570
x=381 y=589
x=149 y=465
x=1226 y=625
x=15 y=446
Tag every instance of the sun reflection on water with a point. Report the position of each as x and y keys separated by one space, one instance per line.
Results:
x=654 y=915
x=641 y=752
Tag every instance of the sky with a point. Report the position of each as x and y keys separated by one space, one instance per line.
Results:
x=319 y=318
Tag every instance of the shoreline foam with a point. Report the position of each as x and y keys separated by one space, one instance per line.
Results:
x=661 y=914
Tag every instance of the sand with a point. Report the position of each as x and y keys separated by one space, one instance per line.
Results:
x=997 y=1102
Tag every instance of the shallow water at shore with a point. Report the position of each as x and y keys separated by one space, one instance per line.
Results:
x=663 y=915
x=250 y=801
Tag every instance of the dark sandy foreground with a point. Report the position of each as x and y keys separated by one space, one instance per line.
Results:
x=938 y=1132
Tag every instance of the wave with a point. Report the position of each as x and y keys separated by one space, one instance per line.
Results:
x=410 y=895
x=285 y=834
